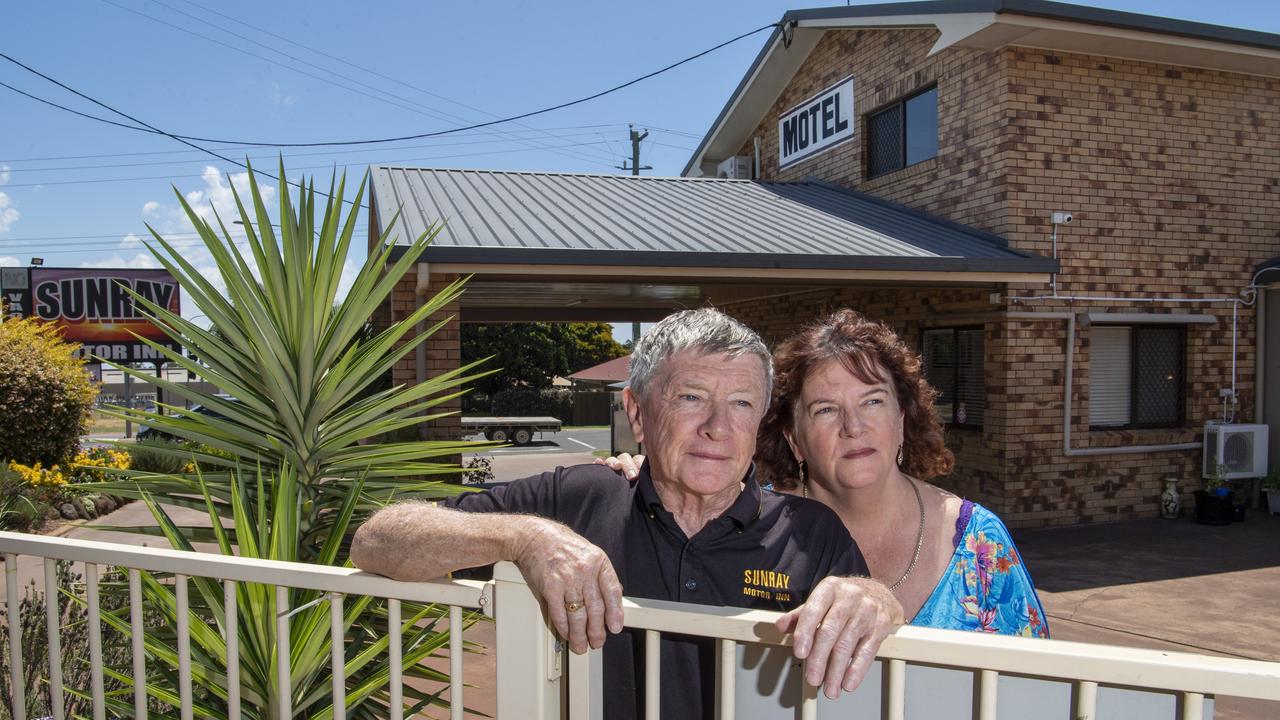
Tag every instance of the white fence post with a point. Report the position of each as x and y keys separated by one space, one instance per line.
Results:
x=529 y=660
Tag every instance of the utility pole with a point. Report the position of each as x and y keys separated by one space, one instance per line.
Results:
x=635 y=152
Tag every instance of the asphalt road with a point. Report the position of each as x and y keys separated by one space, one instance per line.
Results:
x=568 y=440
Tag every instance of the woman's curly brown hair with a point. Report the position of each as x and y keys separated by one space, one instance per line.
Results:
x=866 y=349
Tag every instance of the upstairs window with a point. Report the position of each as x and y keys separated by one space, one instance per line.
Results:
x=1136 y=376
x=903 y=133
x=953 y=365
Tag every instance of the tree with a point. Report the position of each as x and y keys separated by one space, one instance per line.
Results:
x=285 y=468
x=529 y=355
x=46 y=395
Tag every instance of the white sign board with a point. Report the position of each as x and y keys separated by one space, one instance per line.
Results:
x=817 y=124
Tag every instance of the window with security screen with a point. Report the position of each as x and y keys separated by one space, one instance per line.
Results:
x=903 y=133
x=1136 y=376
x=953 y=365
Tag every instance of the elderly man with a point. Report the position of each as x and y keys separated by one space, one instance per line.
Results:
x=694 y=527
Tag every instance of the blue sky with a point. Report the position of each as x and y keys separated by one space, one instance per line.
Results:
x=77 y=192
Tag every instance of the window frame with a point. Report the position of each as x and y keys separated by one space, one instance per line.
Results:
x=955 y=331
x=902 y=130
x=1134 y=331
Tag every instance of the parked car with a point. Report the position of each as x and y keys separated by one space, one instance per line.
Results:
x=148 y=433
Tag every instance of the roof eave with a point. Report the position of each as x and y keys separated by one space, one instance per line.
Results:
x=481 y=256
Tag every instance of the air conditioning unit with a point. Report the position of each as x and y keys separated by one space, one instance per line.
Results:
x=1240 y=449
x=737 y=167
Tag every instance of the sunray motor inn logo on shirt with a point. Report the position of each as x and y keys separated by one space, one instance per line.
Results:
x=766 y=584
x=93 y=308
x=817 y=124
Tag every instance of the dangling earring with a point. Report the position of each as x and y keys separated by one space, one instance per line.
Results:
x=804 y=488
x=900 y=455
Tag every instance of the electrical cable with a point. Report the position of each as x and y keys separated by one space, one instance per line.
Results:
x=304 y=167
x=156 y=129
x=348 y=63
x=322 y=153
x=45 y=158
x=425 y=109
x=188 y=139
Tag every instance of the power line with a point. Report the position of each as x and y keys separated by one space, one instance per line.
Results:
x=426 y=110
x=416 y=136
x=345 y=62
x=146 y=153
x=96 y=181
x=323 y=153
x=184 y=141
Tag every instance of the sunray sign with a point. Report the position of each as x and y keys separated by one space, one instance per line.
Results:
x=94 y=308
x=817 y=124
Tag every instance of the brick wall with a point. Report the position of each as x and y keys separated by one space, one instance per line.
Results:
x=1173 y=175
x=443 y=349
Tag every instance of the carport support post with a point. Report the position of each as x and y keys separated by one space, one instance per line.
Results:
x=440 y=353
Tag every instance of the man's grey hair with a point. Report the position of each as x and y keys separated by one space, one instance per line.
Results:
x=706 y=331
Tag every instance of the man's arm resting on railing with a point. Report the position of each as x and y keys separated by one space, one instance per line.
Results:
x=838 y=630
x=420 y=541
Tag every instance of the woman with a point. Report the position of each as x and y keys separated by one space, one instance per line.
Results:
x=853 y=425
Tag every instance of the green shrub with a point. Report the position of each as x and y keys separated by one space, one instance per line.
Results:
x=148 y=457
x=555 y=402
x=46 y=396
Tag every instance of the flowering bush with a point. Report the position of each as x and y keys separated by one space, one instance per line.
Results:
x=46 y=397
x=91 y=465
x=37 y=476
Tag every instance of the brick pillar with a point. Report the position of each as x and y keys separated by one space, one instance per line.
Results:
x=443 y=349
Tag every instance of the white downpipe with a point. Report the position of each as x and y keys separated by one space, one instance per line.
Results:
x=1068 y=383
x=1260 y=358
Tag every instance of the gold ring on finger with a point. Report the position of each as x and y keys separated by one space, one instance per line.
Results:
x=573 y=606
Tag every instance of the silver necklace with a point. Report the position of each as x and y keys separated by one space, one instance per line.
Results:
x=919 y=539
x=804 y=491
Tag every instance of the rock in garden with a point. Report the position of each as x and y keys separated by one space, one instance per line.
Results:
x=68 y=511
x=103 y=504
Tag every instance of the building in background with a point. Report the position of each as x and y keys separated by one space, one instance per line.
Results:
x=1071 y=212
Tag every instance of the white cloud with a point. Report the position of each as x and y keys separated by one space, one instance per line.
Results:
x=142 y=261
x=4 y=174
x=131 y=241
x=9 y=261
x=279 y=97
x=8 y=214
x=150 y=207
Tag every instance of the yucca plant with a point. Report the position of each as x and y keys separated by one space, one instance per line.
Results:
x=290 y=463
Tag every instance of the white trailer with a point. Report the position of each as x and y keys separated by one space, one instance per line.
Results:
x=518 y=430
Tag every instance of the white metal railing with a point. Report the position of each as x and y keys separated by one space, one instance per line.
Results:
x=531 y=665
x=337 y=582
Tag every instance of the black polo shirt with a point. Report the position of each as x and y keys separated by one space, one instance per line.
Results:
x=767 y=551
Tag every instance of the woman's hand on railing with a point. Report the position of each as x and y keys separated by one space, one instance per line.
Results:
x=626 y=464
x=575 y=580
x=838 y=630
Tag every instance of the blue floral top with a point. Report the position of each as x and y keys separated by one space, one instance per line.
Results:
x=985 y=588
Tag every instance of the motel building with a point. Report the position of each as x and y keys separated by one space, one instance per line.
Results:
x=1071 y=212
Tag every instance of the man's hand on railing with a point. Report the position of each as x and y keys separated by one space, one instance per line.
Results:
x=575 y=580
x=838 y=630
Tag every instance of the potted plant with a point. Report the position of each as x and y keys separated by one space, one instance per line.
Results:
x=1213 y=503
x=1271 y=486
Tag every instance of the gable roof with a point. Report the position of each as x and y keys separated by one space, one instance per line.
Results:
x=653 y=224
x=984 y=25
x=611 y=371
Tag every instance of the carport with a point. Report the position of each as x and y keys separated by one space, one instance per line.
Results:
x=573 y=247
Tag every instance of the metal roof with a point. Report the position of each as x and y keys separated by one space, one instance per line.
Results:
x=494 y=217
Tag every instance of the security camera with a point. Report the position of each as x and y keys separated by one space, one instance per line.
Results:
x=1062 y=218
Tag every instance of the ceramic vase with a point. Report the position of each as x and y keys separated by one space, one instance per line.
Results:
x=1170 y=501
